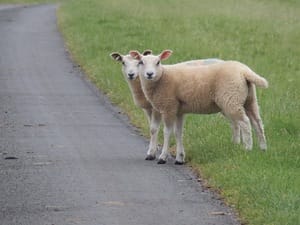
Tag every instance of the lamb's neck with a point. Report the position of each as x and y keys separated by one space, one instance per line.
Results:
x=135 y=86
x=150 y=88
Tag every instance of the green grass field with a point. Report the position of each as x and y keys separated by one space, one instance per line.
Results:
x=263 y=187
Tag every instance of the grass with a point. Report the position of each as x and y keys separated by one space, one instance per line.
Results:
x=264 y=34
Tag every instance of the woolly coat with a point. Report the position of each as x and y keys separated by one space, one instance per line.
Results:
x=201 y=89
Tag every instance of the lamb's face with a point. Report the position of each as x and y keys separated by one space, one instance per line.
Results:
x=130 y=67
x=150 y=67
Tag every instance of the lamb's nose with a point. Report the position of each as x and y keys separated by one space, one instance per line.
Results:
x=130 y=75
x=149 y=74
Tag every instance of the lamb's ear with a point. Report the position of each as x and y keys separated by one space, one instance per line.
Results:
x=165 y=54
x=147 y=52
x=135 y=54
x=117 y=56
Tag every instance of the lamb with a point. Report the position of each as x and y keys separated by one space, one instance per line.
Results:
x=227 y=87
x=130 y=72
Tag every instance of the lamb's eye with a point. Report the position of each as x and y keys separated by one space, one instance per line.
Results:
x=141 y=63
x=158 y=63
x=123 y=63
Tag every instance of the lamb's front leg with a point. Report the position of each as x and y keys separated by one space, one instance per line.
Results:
x=180 y=154
x=148 y=113
x=168 y=128
x=154 y=129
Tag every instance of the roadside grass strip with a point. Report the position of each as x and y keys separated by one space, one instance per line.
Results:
x=263 y=187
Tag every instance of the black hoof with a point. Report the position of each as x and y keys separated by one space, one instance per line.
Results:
x=161 y=161
x=150 y=157
x=178 y=163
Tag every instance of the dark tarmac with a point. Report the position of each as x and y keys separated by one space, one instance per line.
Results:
x=66 y=155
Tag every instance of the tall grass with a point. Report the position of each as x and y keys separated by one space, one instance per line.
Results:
x=262 y=187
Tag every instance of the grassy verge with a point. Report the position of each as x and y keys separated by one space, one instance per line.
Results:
x=262 y=187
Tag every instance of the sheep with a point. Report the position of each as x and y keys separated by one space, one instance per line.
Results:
x=130 y=72
x=227 y=87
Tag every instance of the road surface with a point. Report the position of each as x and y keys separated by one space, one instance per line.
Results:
x=66 y=155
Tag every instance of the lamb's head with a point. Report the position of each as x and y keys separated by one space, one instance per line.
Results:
x=129 y=64
x=150 y=67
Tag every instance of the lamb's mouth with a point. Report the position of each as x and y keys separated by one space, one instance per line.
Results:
x=131 y=76
x=149 y=75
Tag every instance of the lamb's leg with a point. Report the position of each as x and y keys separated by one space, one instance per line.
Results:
x=168 y=128
x=236 y=132
x=148 y=113
x=246 y=132
x=252 y=111
x=232 y=104
x=180 y=154
x=154 y=129
x=237 y=114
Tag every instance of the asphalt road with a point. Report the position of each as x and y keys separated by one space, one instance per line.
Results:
x=66 y=155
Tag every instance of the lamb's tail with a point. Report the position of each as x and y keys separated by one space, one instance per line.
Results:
x=255 y=78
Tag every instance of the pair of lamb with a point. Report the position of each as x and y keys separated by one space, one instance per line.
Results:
x=168 y=92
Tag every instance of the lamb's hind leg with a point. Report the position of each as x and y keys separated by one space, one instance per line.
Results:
x=246 y=132
x=154 y=129
x=236 y=132
x=252 y=111
x=239 y=117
